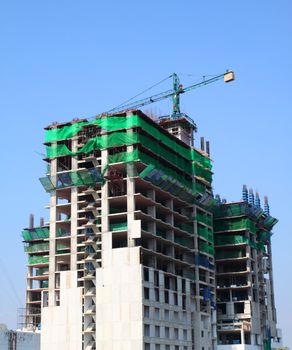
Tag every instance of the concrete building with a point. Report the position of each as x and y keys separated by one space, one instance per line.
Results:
x=17 y=340
x=246 y=313
x=127 y=258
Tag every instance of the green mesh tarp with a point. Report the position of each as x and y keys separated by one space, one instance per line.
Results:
x=61 y=232
x=38 y=247
x=114 y=123
x=124 y=157
x=229 y=254
x=221 y=240
x=235 y=224
x=160 y=233
x=61 y=247
x=36 y=233
x=120 y=226
x=206 y=248
x=166 y=174
x=168 y=183
x=35 y=259
x=184 y=242
x=131 y=138
x=236 y=239
x=86 y=177
x=265 y=236
x=206 y=233
x=186 y=227
x=270 y=221
x=203 y=172
x=234 y=209
x=41 y=271
x=204 y=218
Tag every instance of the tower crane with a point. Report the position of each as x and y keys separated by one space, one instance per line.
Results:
x=175 y=93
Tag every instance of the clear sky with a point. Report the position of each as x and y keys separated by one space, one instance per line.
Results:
x=66 y=59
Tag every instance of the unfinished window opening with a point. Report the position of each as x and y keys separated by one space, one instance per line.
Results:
x=117 y=186
x=64 y=163
x=146 y=311
x=119 y=240
x=184 y=302
x=229 y=338
x=156 y=294
x=156 y=278
x=88 y=132
x=146 y=293
x=57 y=298
x=146 y=274
x=239 y=295
x=117 y=150
x=247 y=338
x=238 y=308
x=118 y=207
x=166 y=297
x=223 y=296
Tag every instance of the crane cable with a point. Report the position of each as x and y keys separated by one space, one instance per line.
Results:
x=141 y=93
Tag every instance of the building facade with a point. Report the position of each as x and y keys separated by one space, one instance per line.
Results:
x=127 y=260
x=18 y=340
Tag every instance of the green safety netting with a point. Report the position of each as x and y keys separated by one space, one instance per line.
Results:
x=35 y=233
x=61 y=246
x=168 y=183
x=119 y=226
x=206 y=233
x=204 y=218
x=41 y=271
x=166 y=174
x=130 y=138
x=60 y=232
x=186 y=227
x=270 y=221
x=184 y=242
x=229 y=254
x=233 y=209
x=44 y=284
x=235 y=224
x=34 y=259
x=160 y=233
x=38 y=247
x=206 y=248
x=124 y=157
x=265 y=236
x=86 y=177
x=236 y=239
x=203 y=172
x=114 y=123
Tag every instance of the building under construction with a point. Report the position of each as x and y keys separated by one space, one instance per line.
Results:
x=138 y=254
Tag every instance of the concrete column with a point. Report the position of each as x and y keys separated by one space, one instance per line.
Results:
x=106 y=238
x=130 y=200
x=52 y=239
x=242 y=336
x=73 y=221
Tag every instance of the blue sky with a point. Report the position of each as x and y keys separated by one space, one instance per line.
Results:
x=66 y=59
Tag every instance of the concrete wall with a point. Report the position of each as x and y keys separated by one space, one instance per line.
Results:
x=24 y=340
x=119 y=317
x=62 y=325
x=239 y=347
